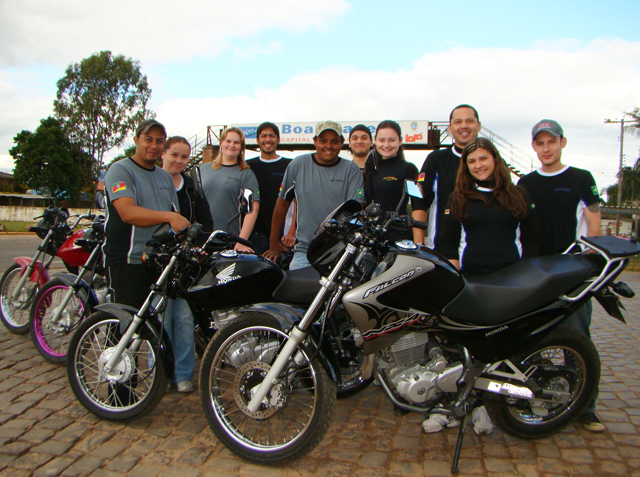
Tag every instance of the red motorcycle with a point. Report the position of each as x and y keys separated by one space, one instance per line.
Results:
x=61 y=305
x=22 y=280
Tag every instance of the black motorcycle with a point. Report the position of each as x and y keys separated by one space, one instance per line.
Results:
x=434 y=339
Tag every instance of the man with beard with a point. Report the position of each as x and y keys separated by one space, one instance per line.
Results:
x=269 y=169
x=440 y=168
x=360 y=142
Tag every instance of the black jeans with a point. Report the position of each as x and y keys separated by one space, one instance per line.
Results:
x=130 y=283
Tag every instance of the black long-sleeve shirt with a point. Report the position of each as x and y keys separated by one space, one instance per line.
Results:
x=490 y=238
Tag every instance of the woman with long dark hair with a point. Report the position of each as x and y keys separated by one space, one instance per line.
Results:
x=491 y=223
x=384 y=179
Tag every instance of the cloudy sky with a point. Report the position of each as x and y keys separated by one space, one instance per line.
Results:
x=214 y=62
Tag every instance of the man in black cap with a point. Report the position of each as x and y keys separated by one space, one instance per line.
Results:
x=360 y=142
x=140 y=196
x=568 y=207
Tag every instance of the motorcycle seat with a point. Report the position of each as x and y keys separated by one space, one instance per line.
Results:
x=518 y=289
x=298 y=286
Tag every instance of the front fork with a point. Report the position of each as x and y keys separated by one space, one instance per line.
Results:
x=299 y=332
x=26 y=272
x=138 y=319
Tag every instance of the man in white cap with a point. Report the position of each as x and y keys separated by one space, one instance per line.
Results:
x=319 y=182
x=568 y=206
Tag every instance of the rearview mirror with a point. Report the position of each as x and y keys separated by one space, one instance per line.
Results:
x=246 y=201
x=413 y=189
x=100 y=200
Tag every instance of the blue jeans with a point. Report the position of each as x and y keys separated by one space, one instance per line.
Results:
x=178 y=321
x=581 y=321
x=299 y=260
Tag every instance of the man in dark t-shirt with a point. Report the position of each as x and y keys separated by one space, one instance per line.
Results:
x=568 y=207
x=269 y=169
x=440 y=168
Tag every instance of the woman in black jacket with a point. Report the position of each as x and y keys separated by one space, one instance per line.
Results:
x=178 y=319
x=175 y=158
x=384 y=180
x=490 y=222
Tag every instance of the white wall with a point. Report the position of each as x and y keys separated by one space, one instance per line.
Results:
x=26 y=214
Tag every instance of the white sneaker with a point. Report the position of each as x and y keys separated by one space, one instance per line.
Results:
x=438 y=421
x=481 y=422
x=185 y=387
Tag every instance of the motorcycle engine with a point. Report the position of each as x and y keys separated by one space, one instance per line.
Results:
x=417 y=372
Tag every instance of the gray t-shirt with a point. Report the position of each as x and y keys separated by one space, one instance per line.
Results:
x=318 y=190
x=152 y=189
x=222 y=189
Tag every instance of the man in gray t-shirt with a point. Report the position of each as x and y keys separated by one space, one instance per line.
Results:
x=140 y=196
x=319 y=182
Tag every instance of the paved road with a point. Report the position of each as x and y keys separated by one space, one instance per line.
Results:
x=45 y=431
x=12 y=245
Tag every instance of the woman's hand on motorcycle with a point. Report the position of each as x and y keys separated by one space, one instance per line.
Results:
x=242 y=248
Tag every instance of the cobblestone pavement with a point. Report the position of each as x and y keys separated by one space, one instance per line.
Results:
x=45 y=431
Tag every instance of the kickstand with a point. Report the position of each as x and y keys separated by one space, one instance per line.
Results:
x=456 y=454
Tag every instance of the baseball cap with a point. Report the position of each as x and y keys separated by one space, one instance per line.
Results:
x=147 y=124
x=361 y=127
x=547 y=125
x=329 y=126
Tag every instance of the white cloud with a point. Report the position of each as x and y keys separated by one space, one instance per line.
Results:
x=512 y=89
x=579 y=85
x=41 y=31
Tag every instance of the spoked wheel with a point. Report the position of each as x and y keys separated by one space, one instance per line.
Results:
x=566 y=362
x=132 y=388
x=293 y=417
x=50 y=333
x=15 y=313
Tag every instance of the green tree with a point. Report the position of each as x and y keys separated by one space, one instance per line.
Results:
x=47 y=158
x=634 y=127
x=102 y=99
x=630 y=187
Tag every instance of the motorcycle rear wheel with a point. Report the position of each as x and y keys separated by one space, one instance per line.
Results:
x=15 y=315
x=143 y=382
x=567 y=361
x=299 y=408
x=52 y=339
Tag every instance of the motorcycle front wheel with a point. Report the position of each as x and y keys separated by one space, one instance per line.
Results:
x=294 y=416
x=565 y=361
x=51 y=337
x=15 y=314
x=134 y=386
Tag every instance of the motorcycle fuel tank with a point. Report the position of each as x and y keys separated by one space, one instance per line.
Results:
x=409 y=286
x=236 y=279
x=71 y=253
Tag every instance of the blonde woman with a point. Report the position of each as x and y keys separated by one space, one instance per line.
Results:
x=224 y=179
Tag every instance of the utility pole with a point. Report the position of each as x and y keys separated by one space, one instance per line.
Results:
x=621 y=121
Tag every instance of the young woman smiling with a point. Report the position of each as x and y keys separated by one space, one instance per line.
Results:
x=178 y=319
x=491 y=223
x=223 y=181
x=384 y=183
